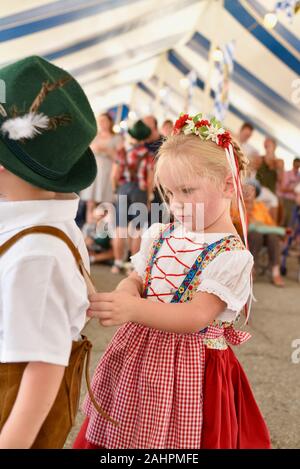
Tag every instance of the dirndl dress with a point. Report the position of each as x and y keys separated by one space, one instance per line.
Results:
x=169 y=390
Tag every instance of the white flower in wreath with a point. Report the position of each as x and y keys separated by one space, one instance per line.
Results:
x=213 y=132
x=189 y=128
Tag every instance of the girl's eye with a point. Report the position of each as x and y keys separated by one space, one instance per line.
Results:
x=187 y=191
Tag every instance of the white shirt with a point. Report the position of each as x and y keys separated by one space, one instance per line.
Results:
x=227 y=276
x=43 y=297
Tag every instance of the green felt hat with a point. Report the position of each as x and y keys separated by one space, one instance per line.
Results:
x=46 y=127
x=140 y=131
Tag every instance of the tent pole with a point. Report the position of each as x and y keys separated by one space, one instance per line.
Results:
x=132 y=98
x=119 y=113
x=161 y=82
x=207 y=88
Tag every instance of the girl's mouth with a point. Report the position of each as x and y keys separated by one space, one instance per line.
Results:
x=182 y=216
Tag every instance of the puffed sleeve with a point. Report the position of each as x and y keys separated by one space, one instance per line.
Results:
x=42 y=310
x=228 y=277
x=139 y=260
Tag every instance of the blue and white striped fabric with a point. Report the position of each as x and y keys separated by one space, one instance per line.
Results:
x=125 y=51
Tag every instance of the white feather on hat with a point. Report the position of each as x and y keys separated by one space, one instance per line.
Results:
x=25 y=127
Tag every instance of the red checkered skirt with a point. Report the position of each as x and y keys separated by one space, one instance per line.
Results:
x=168 y=390
x=150 y=381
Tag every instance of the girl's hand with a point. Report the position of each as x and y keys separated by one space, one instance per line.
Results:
x=113 y=309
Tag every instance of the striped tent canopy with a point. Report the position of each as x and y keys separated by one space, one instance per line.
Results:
x=154 y=56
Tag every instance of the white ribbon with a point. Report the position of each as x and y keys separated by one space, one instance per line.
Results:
x=242 y=212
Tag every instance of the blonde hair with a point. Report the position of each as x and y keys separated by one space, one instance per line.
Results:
x=188 y=156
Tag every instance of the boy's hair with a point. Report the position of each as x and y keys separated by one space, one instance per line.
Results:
x=187 y=156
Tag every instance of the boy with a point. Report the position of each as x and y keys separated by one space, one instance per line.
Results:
x=46 y=126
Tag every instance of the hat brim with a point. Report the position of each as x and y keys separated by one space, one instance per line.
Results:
x=80 y=176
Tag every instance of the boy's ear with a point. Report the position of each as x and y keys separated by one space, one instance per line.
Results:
x=1 y=168
x=228 y=187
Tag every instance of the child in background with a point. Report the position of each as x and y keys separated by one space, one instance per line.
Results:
x=169 y=376
x=96 y=236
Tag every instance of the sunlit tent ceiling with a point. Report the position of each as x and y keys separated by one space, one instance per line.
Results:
x=137 y=52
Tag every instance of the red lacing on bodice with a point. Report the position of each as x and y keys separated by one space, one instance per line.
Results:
x=173 y=255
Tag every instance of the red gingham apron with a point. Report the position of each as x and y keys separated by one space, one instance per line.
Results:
x=151 y=382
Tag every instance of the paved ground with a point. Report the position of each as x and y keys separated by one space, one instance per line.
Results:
x=266 y=358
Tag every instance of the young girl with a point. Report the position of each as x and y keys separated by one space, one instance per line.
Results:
x=169 y=377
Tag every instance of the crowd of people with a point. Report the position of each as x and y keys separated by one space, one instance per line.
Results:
x=125 y=168
x=273 y=204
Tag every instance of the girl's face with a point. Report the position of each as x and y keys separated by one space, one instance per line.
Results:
x=198 y=204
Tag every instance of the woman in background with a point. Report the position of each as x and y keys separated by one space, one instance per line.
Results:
x=105 y=147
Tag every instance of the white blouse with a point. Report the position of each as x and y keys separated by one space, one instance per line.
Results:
x=227 y=276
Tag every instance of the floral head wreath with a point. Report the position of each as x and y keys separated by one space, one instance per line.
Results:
x=206 y=129
x=211 y=129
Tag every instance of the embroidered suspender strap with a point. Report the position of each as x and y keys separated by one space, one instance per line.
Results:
x=156 y=245
x=208 y=254
x=50 y=230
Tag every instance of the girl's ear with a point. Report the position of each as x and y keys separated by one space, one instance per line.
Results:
x=228 y=190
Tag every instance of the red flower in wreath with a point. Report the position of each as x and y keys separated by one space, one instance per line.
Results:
x=181 y=123
x=224 y=139
x=202 y=123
